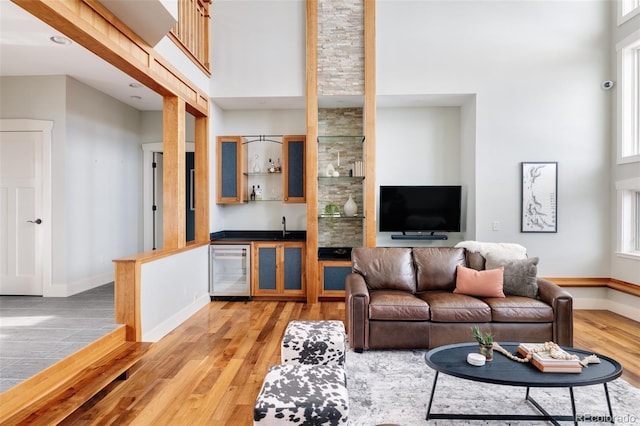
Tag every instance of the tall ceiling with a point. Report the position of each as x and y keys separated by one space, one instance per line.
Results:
x=26 y=50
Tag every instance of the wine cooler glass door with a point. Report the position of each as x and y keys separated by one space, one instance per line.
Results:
x=229 y=271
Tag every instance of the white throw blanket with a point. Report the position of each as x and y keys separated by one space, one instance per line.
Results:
x=499 y=250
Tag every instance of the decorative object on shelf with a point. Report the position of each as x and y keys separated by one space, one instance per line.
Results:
x=350 y=207
x=329 y=170
x=253 y=193
x=539 y=197
x=258 y=196
x=485 y=342
x=331 y=210
x=278 y=167
x=272 y=166
x=357 y=168
x=256 y=164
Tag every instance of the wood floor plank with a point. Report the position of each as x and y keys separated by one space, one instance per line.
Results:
x=210 y=369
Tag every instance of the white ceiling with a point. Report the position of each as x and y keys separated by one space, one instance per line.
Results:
x=26 y=50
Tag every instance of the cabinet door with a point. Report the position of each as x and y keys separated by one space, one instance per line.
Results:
x=293 y=177
x=278 y=269
x=293 y=275
x=230 y=161
x=332 y=276
x=266 y=272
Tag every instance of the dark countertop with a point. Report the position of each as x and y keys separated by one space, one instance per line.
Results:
x=258 y=236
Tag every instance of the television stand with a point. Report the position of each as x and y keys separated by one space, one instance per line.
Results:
x=431 y=236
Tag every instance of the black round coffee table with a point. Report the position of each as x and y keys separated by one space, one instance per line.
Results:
x=452 y=360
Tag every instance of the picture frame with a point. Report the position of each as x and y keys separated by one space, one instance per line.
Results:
x=539 y=197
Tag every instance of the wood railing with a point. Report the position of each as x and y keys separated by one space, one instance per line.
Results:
x=191 y=33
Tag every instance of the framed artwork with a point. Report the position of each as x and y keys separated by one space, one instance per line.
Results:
x=539 y=197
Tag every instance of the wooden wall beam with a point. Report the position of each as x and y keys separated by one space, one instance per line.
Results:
x=370 y=122
x=202 y=179
x=312 y=151
x=173 y=175
x=127 y=297
x=94 y=27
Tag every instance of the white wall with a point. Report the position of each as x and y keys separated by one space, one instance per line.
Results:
x=103 y=200
x=259 y=215
x=423 y=147
x=172 y=289
x=95 y=176
x=535 y=69
x=258 y=48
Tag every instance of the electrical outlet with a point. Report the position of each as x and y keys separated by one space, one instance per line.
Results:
x=495 y=225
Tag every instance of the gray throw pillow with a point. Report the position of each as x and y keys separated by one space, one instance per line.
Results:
x=520 y=276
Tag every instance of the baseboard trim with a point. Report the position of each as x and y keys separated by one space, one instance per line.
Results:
x=175 y=320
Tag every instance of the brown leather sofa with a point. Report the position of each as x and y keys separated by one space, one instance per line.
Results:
x=403 y=298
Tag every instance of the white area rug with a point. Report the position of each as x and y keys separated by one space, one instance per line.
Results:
x=393 y=387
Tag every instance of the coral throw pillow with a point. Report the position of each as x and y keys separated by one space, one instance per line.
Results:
x=487 y=283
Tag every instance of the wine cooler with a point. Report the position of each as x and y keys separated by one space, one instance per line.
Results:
x=230 y=272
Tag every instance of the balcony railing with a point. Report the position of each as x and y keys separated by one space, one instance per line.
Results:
x=191 y=33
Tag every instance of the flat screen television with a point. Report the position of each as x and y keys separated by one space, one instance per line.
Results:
x=420 y=209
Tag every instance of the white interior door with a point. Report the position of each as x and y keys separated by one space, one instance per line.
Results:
x=21 y=208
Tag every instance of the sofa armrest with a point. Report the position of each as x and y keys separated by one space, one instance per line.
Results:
x=357 y=310
x=562 y=303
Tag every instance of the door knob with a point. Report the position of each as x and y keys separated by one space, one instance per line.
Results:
x=37 y=221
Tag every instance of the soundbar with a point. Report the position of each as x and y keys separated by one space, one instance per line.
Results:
x=419 y=237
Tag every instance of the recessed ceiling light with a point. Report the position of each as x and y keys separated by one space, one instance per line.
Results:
x=137 y=98
x=60 y=40
x=135 y=85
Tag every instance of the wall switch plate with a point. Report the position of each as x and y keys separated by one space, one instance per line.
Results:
x=495 y=225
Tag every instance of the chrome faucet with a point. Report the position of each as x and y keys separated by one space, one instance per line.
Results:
x=284 y=227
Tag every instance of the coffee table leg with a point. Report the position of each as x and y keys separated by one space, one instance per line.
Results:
x=606 y=393
x=433 y=390
x=573 y=407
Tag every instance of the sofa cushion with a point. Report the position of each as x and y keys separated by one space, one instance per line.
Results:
x=397 y=305
x=520 y=276
x=385 y=268
x=519 y=309
x=479 y=283
x=436 y=267
x=446 y=306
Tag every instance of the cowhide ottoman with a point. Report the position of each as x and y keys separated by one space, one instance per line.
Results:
x=303 y=394
x=314 y=342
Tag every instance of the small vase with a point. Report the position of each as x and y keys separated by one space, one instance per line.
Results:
x=256 y=164
x=487 y=351
x=350 y=207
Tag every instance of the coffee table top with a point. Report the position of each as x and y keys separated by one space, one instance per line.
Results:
x=452 y=360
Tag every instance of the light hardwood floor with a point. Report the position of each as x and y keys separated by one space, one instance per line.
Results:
x=209 y=370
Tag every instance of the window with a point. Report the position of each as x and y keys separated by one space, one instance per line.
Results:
x=629 y=99
x=627 y=9
x=629 y=216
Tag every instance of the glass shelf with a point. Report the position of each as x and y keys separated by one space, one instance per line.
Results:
x=358 y=216
x=338 y=138
x=326 y=179
x=262 y=174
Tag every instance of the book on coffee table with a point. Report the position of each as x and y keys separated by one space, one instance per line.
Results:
x=547 y=364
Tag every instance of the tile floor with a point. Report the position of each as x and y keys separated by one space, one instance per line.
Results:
x=36 y=332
